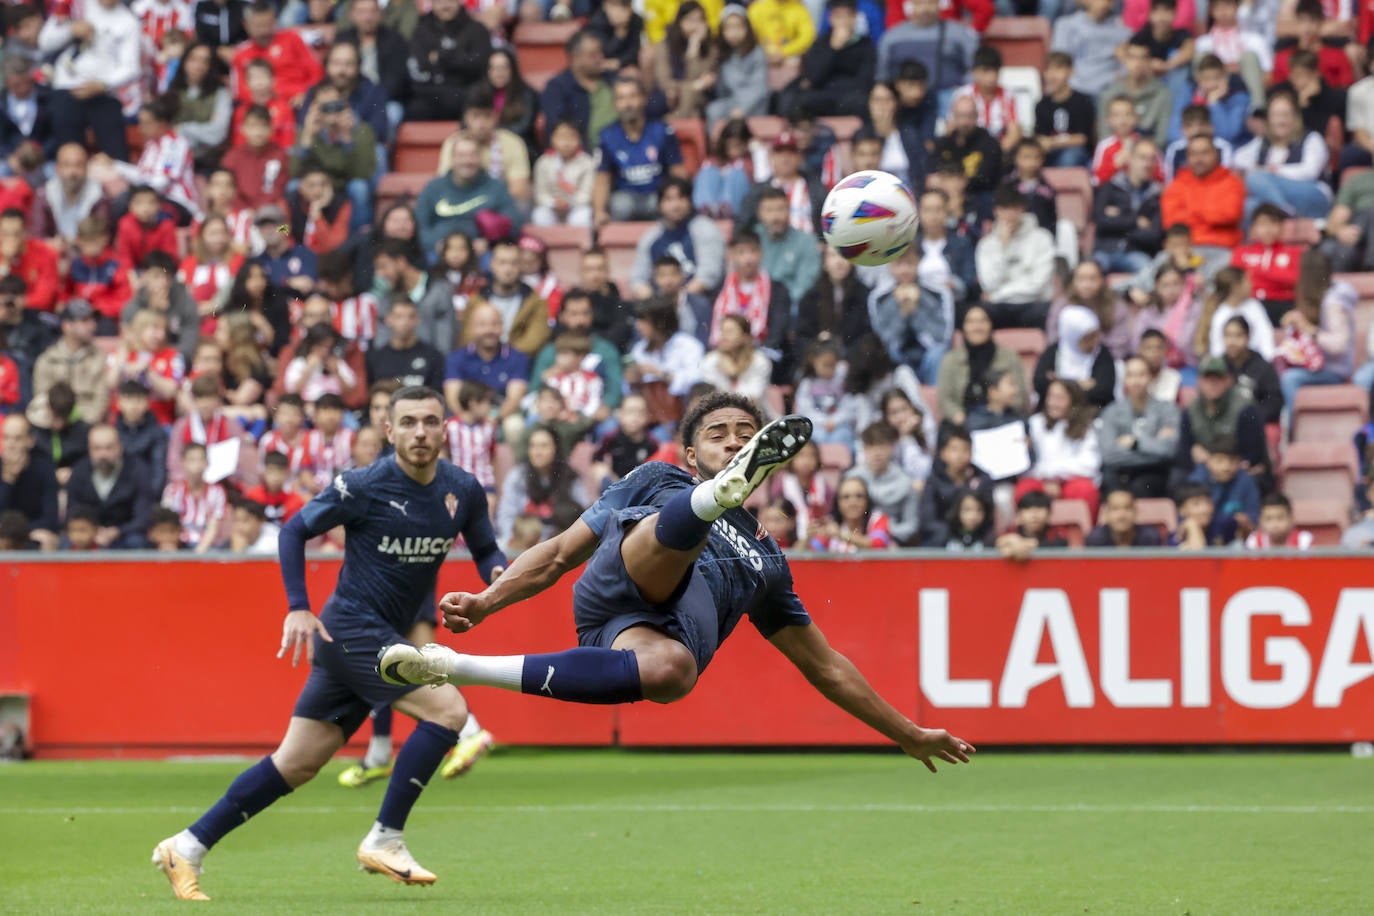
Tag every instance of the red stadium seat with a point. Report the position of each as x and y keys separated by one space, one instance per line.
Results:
x=844 y=126
x=1364 y=318
x=418 y=144
x=836 y=455
x=1161 y=513
x=1073 y=193
x=539 y=46
x=780 y=75
x=1300 y=232
x=565 y=246
x=1070 y=517
x=931 y=394
x=1329 y=413
x=1319 y=470
x=397 y=186
x=762 y=127
x=1023 y=40
x=691 y=137
x=1325 y=519
x=619 y=240
x=1028 y=343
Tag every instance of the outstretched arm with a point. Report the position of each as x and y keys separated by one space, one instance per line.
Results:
x=529 y=574
x=840 y=682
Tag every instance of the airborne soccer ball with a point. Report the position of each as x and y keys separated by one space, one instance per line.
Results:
x=869 y=218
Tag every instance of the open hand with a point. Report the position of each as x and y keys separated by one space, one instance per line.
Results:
x=931 y=744
x=298 y=631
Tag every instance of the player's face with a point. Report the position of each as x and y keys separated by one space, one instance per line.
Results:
x=416 y=430
x=722 y=433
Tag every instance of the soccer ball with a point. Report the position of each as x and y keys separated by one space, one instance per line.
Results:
x=869 y=218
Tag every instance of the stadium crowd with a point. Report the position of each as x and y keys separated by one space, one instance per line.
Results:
x=202 y=316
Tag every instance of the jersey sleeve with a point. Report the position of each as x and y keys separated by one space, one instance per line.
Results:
x=636 y=488
x=341 y=503
x=779 y=608
x=478 y=535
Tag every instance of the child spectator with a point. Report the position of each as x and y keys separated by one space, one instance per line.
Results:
x=742 y=81
x=1240 y=51
x=1234 y=492
x=853 y=524
x=1170 y=41
x=1126 y=212
x=1027 y=176
x=79 y=534
x=205 y=423
x=317 y=368
x=271 y=493
x=208 y=273
x=1120 y=529
x=1227 y=105
x=1271 y=266
x=805 y=487
x=1230 y=298
x=1032 y=530
x=471 y=434
x=1199 y=527
x=140 y=434
x=1276 y=528
x=329 y=444
x=822 y=397
x=259 y=165
x=143 y=356
x=620 y=452
x=287 y=436
x=25 y=163
x=1254 y=374
x=970 y=522
x=461 y=267
x=1001 y=407
x=250 y=532
x=1165 y=381
x=1333 y=62
x=320 y=217
x=538 y=275
x=1065 y=119
x=890 y=489
x=779 y=520
x=526 y=531
x=1113 y=151
x=1317 y=338
x=367 y=447
x=146 y=228
x=951 y=474
x=164 y=530
x=582 y=389
x=97 y=275
x=201 y=506
x=222 y=199
x=262 y=93
x=996 y=107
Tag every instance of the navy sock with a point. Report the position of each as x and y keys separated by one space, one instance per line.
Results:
x=586 y=675
x=381 y=722
x=420 y=756
x=253 y=790
x=678 y=526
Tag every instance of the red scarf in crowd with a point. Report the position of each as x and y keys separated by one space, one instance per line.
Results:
x=733 y=300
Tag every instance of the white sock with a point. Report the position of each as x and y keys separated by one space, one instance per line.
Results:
x=704 y=505
x=378 y=751
x=502 y=671
x=379 y=835
x=470 y=728
x=189 y=848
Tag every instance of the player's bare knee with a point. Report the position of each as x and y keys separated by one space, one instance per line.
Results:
x=453 y=716
x=296 y=769
x=667 y=674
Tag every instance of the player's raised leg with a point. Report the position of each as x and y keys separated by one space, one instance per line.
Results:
x=307 y=746
x=656 y=554
x=441 y=713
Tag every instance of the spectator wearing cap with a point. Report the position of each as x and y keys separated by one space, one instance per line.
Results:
x=581 y=93
x=503 y=154
x=633 y=156
x=804 y=198
x=293 y=63
x=466 y=200
x=1207 y=198
x=115 y=487
x=691 y=239
x=742 y=85
x=1119 y=528
x=260 y=167
x=289 y=264
x=448 y=53
x=76 y=361
x=25 y=110
x=32 y=261
x=1222 y=411
x=95 y=58
x=972 y=150
x=28 y=484
x=68 y=197
x=946 y=49
x=838 y=68
x=1015 y=264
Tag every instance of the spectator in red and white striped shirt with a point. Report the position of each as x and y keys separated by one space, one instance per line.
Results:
x=202 y=506
x=166 y=165
x=471 y=433
x=996 y=107
x=288 y=434
x=329 y=446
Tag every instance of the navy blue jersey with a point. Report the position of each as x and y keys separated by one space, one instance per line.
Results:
x=638 y=165
x=397 y=532
x=743 y=567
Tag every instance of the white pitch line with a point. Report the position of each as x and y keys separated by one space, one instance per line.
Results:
x=746 y=809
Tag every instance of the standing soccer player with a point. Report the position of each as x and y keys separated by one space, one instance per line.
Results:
x=673 y=563
x=402 y=515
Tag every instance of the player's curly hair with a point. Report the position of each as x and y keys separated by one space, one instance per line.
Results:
x=716 y=400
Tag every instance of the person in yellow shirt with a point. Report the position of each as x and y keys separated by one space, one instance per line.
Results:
x=784 y=28
x=659 y=14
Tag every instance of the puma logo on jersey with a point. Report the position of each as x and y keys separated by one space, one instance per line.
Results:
x=399 y=507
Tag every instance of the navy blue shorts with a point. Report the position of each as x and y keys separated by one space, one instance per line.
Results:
x=344 y=686
x=606 y=601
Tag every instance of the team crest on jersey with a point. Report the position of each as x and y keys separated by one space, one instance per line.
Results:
x=760 y=534
x=451 y=504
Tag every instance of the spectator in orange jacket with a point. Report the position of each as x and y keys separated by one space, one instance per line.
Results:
x=293 y=63
x=1209 y=200
x=32 y=261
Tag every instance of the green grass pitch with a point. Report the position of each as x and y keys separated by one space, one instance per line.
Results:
x=639 y=832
